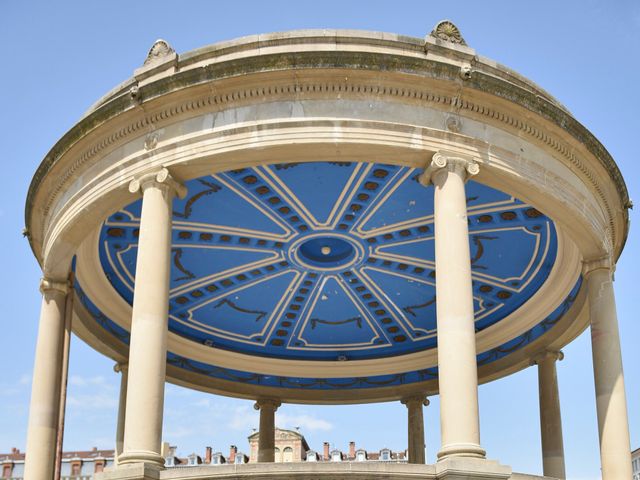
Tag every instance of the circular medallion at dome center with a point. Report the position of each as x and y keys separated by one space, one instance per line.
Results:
x=325 y=252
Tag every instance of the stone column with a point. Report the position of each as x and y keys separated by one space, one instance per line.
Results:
x=550 y=418
x=148 y=344
x=122 y=407
x=415 y=428
x=64 y=378
x=45 y=390
x=611 y=403
x=458 y=374
x=267 y=432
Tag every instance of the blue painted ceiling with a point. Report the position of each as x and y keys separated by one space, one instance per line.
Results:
x=327 y=260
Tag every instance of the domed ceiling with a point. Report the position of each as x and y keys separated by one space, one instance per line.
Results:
x=328 y=261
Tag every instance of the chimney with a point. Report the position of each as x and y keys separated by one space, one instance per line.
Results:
x=207 y=455
x=352 y=450
x=232 y=454
x=325 y=454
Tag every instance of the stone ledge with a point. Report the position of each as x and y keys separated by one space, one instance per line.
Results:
x=456 y=468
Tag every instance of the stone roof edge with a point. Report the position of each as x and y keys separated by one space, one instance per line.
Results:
x=339 y=37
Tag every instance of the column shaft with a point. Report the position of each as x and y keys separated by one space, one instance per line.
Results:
x=415 y=429
x=611 y=403
x=45 y=390
x=457 y=369
x=122 y=408
x=267 y=432
x=550 y=418
x=64 y=378
x=148 y=344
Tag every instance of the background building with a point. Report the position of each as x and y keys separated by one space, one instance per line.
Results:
x=76 y=465
x=291 y=446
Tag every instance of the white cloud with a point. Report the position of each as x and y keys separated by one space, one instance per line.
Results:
x=171 y=390
x=15 y=388
x=243 y=418
x=202 y=403
x=102 y=442
x=93 y=401
x=305 y=422
x=79 y=381
x=179 y=431
x=91 y=393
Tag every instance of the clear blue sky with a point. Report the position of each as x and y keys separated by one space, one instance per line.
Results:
x=59 y=57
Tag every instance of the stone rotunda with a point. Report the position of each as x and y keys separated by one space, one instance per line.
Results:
x=328 y=217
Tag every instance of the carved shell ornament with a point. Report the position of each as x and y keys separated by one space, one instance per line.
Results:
x=447 y=31
x=158 y=51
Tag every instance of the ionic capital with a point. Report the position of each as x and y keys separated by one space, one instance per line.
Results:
x=158 y=179
x=121 y=367
x=267 y=403
x=601 y=263
x=454 y=163
x=48 y=285
x=555 y=355
x=419 y=399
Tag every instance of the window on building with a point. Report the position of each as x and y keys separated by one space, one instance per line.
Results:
x=6 y=471
x=169 y=462
x=287 y=454
x=239 y=458
x=312 y=456
x=385 y=455
x=99 y=467
x=360 y=456
x=277 y=457
x=18 y=470
x=76 y=468
x=336 y=456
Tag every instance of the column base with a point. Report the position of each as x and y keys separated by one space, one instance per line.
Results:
x=461 y=450
x=133 y=471
x=464 y=468
x=147 y=458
